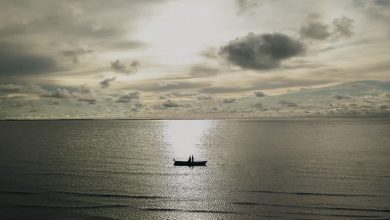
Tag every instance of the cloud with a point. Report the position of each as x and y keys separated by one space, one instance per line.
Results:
x=75 y=54
x=173 y=85
x=120 y=67
x=58 y=93
x=264 y=83
x=167 y=85
x=203 y=71
x=128 y=97
x=342 y=27
x=126 y=45
x=106 y=82
x=224 y=89
x=83 y=89
x=287 y=103
x=54 y=102
x=88 y=100
x=258 y=105
x=383 y=3
x=20 y=59
x=315 y=30
x=166 y=96
x=340 y=97
x=10 y=88
x=372 y=100
x=210 y=53
x=377 y=12
x=244 y=5
x=261 y=52
x=83 y=94
x=14 y=88
x=170 y=104
x=228 y=100
x=203 y=96
x=259 y=94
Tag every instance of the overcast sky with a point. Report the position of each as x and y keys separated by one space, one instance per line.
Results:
x=194 y=58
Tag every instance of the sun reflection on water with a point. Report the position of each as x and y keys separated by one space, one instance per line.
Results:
x=186 y=137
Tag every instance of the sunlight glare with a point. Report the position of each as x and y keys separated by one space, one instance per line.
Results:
x=180 y=30
x=186 y=137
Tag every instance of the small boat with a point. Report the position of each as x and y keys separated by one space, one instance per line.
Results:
x=189 y=163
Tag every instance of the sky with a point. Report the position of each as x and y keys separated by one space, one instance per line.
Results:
x=194 y=59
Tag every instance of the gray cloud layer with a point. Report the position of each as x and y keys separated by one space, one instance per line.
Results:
x=18 y=59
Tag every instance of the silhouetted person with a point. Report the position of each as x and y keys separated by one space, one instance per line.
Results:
x=189 y=159
x=192 y=158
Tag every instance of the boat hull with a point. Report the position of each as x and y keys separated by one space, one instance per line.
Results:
x=190 y=164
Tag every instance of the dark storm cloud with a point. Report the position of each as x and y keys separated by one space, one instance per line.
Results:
x=19 y=59
x=261 y=52
x=107 y=82
x=125 y=68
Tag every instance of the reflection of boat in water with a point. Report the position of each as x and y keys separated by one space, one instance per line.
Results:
x=189 y=163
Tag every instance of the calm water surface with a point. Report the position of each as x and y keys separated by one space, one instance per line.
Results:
x=256 y=169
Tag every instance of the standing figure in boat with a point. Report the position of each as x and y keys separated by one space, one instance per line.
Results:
x=190 y=162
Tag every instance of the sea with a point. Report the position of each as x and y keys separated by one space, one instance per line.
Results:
x=256 y=169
